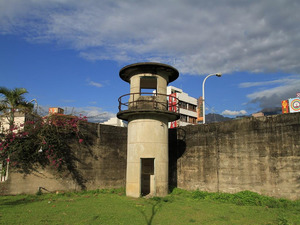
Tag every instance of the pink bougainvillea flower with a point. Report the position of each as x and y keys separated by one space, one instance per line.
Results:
x=7 y=160
x=80 y=140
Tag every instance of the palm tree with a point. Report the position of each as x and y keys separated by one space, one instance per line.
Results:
x=13 y=100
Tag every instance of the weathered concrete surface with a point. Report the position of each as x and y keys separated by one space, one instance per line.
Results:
x=257 y=154
x=101 y=163
x=104 y=160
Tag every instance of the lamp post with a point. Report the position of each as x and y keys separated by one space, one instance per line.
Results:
x=203 y=99
x=34 y=100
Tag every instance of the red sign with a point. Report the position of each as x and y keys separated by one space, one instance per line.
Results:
x=173 y=102
x=173 y=107
x=173 y=124
x=285 y=106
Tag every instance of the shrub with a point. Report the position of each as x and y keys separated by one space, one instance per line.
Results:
x=178 y=191
x=246 y=198
x=40 y=143
x=199 y=194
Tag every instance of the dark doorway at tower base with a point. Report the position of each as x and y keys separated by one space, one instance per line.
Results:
x=147 y=176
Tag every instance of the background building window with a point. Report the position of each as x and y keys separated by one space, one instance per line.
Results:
x=192 y=120
x=183 y=118
x=192 y=107
x=182 y=105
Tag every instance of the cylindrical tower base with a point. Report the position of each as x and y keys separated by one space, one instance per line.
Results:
x=147 y=156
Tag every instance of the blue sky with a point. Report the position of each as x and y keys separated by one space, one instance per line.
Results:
x=68 y=53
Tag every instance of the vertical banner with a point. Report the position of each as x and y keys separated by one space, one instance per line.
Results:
x=173 y=124
x=200 y=110
x=294 y=105
x=173 y=107
x=298 y=95
x=285 y=106
x=173 y=102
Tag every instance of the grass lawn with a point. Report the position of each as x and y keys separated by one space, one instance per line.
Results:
x=180 y=207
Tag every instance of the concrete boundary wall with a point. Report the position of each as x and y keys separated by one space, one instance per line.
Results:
x=101 y=163
x=256 y=154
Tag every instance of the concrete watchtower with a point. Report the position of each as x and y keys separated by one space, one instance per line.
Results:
x=148 y=110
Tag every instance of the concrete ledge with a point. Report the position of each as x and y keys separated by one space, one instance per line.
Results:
x=125 y=114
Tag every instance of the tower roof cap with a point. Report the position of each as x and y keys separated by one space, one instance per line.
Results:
x=148 y=67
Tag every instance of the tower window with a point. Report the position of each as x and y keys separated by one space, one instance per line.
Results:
x=148 y=85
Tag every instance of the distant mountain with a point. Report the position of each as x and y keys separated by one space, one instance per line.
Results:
x=213 y=117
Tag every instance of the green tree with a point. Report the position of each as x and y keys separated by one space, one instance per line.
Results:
x=40 y=142
x=13 y=100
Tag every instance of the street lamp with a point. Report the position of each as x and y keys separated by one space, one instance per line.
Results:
x=203 y=99
x=34 y=100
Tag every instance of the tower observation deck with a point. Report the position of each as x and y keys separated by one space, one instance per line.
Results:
x=148 y=95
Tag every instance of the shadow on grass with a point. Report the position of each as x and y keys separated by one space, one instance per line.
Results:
x=156 y=204
x=13 y=202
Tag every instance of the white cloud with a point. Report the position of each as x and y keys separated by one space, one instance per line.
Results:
x=256 y=84
x=94 y=114
x=95 y=84
x=234 y=113
x=283 y=81
x=203 y=36
x=272 y=96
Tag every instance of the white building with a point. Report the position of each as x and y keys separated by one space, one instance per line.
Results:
x=19 y=120
x=187 y=107
x=115 y=122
